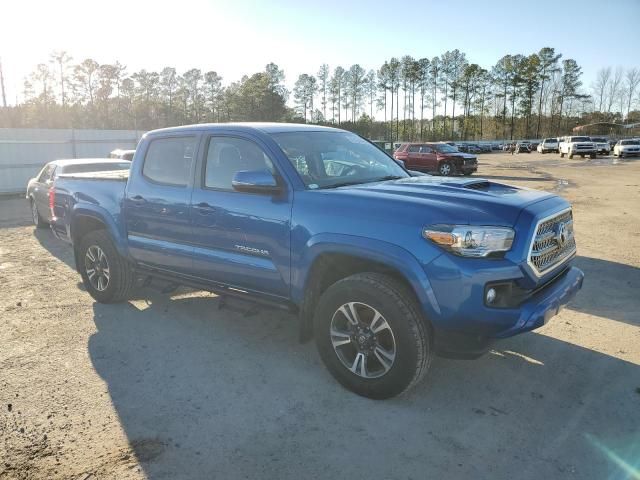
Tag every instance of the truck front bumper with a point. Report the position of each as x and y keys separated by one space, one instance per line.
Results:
x=469 y=330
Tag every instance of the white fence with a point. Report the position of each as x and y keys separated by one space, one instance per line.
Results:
x=23 y=151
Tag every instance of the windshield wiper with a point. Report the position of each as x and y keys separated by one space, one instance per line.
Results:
x=373 y=180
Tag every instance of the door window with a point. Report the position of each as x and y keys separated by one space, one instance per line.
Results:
x=228 y=155
x=168 y=160
x=46 y=174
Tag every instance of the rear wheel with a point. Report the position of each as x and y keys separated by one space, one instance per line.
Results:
x=593 y=155
x=561 y=155
x=570 y=155
x=466 y=174
x=445 y=169
x=371 y=335
x=106 y=275
x=35 y=215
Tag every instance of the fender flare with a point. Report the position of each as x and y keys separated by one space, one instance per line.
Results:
x=103 y=216
x=379 y=251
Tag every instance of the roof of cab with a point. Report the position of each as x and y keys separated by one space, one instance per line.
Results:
x=263 y=127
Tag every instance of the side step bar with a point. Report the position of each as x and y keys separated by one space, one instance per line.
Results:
x=218 y=289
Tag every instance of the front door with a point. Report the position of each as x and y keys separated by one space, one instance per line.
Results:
x=428 y=158
x=240 y=239
x=157 y=202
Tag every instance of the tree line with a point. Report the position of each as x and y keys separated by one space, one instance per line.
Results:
x=444 y=97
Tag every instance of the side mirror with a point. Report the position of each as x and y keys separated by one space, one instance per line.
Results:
x=255 y=181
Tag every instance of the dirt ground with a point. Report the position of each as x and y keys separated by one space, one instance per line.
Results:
x=171 y=387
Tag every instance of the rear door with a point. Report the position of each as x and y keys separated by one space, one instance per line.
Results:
x=240 y=239
x=156 y=204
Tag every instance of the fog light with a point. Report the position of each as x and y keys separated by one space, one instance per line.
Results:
x=491 y=296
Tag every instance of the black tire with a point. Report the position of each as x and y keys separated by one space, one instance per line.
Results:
x=593 y=155
x=570 y=156
x=35 y=215
x=467 y=174
x=120 y=279
x=445 y=169
x=561 y=155
x=411 y=334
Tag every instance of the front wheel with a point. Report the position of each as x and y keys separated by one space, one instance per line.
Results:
x=445 y=169
x=570 y=156
x=106 y=275
x=466 y=174
x=561 y=155
x=592 y=156
x=371 y=336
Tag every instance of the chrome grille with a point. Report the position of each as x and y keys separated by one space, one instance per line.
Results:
x=553 y=243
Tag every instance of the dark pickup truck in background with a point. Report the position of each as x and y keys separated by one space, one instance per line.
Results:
x=383 y=268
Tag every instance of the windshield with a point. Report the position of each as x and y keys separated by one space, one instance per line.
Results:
x=598 y=140
x=580 y=139
x=95 y=167
x=630 y=142
x=444 y=148
x=333 y=159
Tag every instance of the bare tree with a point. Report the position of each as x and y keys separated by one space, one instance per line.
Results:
x=632 y=80
x=600 y=87
x=62 y=60
x=614 y=89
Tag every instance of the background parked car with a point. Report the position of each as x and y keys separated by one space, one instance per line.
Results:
x=38 y=187
x=533 y=146
x=627 y=148
x=522 y=147
x=602 y=145
x=436 y=157
x=122 y=154
x=548 y=145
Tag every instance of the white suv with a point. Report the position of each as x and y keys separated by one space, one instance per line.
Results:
x=582 y=146
x=548 y=145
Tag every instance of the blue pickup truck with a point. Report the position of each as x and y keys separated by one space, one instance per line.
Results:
x=382 y=267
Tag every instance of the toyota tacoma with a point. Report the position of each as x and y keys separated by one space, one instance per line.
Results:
x=382 y=268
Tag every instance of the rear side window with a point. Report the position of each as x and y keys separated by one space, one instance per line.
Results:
x=228 y=155
x=47 y=173
x=413 y=148
x=168 y=160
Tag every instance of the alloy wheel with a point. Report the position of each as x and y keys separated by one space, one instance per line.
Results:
x=97 y=268
x=363 y=340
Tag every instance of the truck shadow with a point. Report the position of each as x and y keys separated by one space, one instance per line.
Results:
x=610 y=290
x=220 y=394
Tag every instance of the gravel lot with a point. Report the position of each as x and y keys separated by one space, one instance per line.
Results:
x=171 y=387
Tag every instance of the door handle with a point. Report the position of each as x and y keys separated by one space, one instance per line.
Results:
x=138 y=199
x=204 y=208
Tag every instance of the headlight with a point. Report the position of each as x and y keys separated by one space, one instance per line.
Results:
x=469 y=240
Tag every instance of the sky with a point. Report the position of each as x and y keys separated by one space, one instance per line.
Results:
x=235 y=37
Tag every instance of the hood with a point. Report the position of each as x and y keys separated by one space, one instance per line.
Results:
x=444 y=200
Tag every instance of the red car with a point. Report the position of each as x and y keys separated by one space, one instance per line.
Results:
x=436 y=157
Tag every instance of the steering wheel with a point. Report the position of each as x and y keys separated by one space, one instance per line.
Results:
x=350 y=170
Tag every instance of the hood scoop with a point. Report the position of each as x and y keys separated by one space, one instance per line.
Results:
x=478 y=185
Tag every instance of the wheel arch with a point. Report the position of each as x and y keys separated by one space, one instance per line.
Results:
x=89 y=219
x=330 y=258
